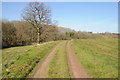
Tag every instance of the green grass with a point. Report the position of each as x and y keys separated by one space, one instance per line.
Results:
x=20 y=61
x=58 y=67
x=98 y=56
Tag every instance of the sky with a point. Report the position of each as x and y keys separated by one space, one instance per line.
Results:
x=80 y=16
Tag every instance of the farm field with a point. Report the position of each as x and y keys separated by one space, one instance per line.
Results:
x=20 y=61
x=99 y=57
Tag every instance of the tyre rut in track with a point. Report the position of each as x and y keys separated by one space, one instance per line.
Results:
x=44 y=64
x=76 y=69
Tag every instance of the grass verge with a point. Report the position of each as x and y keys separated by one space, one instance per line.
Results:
x=18 y=62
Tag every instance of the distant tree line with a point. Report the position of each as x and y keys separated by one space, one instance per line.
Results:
x=19 y=33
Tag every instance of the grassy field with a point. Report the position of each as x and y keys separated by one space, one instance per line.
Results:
x=98 y=56
x=58 y=67
x=20 y=61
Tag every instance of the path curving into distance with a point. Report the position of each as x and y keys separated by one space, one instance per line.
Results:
x=76 y=69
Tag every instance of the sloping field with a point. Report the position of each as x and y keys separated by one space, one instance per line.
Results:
x=98 y=56
x=18 y=62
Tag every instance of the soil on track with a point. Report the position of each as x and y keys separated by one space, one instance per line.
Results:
x=44 y=64
x=76 y=69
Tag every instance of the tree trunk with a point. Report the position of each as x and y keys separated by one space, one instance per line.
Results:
x=38 y=38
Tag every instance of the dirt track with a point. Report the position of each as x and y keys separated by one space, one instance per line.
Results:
x=43 y=65
x=76 y=69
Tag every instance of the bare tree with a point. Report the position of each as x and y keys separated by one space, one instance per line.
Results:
x=38 y=15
